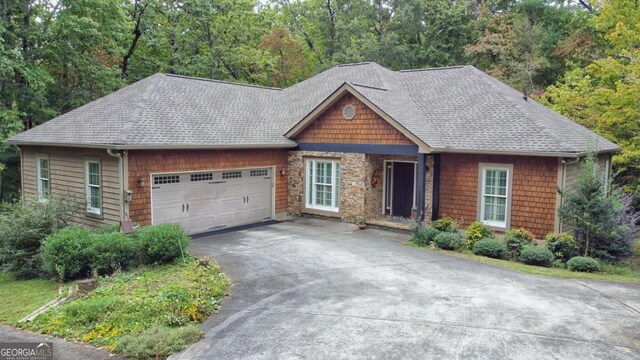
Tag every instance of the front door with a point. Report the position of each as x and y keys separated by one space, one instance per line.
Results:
x=402 y=189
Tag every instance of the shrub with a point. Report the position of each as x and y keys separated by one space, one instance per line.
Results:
x=583 y=264
x=538 y=256
x=562 y=245
x=423 y=235
x=445 y=224
x=448 y=240
x=108 y=228
x=23 y=227
x=157 y=342
x=161 y=243
x=521 y=236
x=64 y=253
x=477 y=231
x=110 y=251
x=490 y=248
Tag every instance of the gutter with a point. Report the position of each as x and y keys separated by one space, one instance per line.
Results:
x=523 y=153
x=119 y=156
x=155 y=147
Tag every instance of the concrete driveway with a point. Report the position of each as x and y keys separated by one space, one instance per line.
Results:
x=318 y=289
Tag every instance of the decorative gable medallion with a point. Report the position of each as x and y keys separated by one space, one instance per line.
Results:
x=349 y=112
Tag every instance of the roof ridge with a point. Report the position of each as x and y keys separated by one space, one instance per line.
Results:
x=356 y=64
x=141 y=104
x=222 y=81
x=517 y=106
x=368 y=86
x=433 y=68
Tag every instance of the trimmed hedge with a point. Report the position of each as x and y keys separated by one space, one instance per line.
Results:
x=424 y=235
x=448 y=240
x=583 y=264
x=65 y=253
x=161 y=243
x=477 y=231
x=490 y=248
x=75 y=252
x=562 y=245
x=538 y=256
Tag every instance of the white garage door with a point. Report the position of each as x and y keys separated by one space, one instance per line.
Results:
x=211 y=200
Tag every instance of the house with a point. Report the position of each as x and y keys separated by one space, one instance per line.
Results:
x=357 y=141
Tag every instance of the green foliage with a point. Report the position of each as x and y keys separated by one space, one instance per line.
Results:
x=490 y=248
x=157 y=342
x=448 y=240
x=130 y=303
x=603 y=225
x=476 y=231
x=445 y=224
x=583 y=264
x=161 y=243
x=538 y=256
x=562 y=245
x=110 y=251
x=521 y=236
x=66 y=254
x=23 y=226
x=424 y=235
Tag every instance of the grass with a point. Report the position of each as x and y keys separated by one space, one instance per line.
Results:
x=22 y=297
x=608 y=272
x=130 y=308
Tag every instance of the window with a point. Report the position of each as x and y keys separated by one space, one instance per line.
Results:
x=44 y=187
x=231 y=174
x=495 y=192
x=94 y=193
x=166 y=179
x=260 y=172
x=323 y=185
x=201 y=177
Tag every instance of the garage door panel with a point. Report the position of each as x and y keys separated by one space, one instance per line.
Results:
x=213 y=199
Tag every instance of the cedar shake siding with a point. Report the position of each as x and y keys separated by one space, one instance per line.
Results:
x=67 y=177
x=143 y=163
x=533 y=201
x=366 y=127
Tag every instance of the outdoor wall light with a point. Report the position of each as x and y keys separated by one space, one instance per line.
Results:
x=283 y=172
x=141 y=182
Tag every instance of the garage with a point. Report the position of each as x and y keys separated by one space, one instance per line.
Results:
x=210 y=200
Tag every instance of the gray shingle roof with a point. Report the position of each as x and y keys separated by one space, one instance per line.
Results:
x=449 y=109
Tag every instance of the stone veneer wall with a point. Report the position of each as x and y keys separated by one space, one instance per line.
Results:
x=358 y=197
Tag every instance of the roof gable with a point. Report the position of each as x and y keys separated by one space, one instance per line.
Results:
x=371 y=125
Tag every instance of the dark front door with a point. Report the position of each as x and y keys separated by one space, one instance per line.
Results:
x=402 y=195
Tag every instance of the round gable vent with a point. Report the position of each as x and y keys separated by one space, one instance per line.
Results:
x=349 y=112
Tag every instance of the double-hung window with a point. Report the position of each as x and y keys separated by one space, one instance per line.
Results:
x=494 y=195
x=44 y=184
x=323 y=185
x=94 y=188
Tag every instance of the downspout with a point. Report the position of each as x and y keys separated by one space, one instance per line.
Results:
x=565 y=162
x=118 y=155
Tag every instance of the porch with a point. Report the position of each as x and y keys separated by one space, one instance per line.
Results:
x=385 y=185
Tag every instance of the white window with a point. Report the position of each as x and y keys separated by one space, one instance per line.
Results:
x=323 y=185
x=94 y=192
x=44 y=187
x=494 y=197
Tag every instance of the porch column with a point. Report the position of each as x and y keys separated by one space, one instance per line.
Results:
x=435 y=197
x=420 y=194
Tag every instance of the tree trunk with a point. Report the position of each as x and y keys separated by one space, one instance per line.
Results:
x=137 y=33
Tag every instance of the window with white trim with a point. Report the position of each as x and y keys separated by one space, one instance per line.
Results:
x=323 y=185
x=94 y=190
x=44 y=187
x=494 y=196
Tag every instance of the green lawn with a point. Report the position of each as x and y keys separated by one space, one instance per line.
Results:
x=143 y=313
x=608 y=273
x=21 y=297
